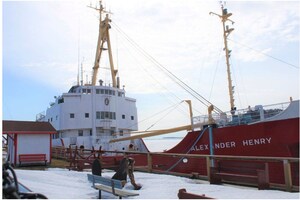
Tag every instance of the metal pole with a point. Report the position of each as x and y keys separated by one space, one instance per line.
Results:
x=211 y=144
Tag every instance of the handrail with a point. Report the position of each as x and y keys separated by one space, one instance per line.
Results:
x=286 y=161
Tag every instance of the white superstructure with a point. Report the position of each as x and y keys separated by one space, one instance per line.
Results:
x=91 y=115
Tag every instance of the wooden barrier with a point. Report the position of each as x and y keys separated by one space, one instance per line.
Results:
x=210 y=159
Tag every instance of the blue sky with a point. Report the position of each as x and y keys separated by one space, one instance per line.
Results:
x=40 y=41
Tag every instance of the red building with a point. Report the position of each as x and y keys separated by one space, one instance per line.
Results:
x=28 y=140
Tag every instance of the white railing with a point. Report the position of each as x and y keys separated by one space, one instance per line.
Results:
x=244 y=116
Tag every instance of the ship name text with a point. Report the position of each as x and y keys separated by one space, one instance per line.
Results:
x=233 y=144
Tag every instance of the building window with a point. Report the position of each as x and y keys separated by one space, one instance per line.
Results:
x=80 y=132
x=132 y=117
x=123 y=116
x=91 y=132
x=72 y=115
x=87 y=115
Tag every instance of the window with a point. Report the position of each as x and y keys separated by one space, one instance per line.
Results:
x=123 y=116
x=60 y=100
x=72 y=115
x=80 y=132
x=87 y=115
x=91 y=132
x=132 y=117
x=105 y=115
x=102 y=115
x=98 y=115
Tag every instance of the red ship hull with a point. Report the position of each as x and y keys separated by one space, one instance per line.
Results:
x=269 y=139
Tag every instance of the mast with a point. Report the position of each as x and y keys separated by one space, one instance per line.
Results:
x=104 y=26
x=226 y=31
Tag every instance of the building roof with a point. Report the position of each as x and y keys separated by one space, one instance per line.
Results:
x=27 y=127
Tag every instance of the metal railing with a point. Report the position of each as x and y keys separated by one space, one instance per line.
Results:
x=244 y=116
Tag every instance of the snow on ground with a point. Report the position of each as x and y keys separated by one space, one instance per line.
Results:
x=64 y=184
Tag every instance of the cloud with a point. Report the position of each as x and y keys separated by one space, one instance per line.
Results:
x=183 y=37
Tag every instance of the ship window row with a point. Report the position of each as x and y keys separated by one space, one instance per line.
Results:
x=86 y=91
x=100 y=115
x=103 y=91
x=105 y=115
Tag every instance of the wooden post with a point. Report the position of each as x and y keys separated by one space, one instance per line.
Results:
x=287 y=175
x=149 y=156
x=208 y=167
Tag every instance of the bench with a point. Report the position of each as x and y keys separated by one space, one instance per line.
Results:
x=109 y=185
x=32 y=158
x=250 y=173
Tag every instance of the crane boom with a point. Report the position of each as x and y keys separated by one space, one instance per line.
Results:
x=104 y=26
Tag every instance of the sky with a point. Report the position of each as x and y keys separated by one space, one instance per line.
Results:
x=45 y=42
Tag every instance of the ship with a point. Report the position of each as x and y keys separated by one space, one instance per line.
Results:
x=259 y=132
x=91 y=114
x=102 y=116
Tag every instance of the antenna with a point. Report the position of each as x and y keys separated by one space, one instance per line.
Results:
x=81 y=82
x=78 y=53
x=78 y=59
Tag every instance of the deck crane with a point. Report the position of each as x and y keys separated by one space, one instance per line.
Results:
x=103 y=38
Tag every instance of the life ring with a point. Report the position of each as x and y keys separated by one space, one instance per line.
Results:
x=106 y=101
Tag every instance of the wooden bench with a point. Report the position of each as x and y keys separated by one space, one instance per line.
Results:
x=32 y=158
x=250 y=173
x=109 y=185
